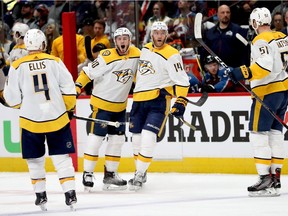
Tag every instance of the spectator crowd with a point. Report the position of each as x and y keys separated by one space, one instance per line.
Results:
x=223 y=22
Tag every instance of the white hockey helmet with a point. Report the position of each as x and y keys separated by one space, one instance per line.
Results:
x=19 y=30
x=119 y=32
x=35 y=40
x=260 y=17
x=122 y=31
x=159 y=26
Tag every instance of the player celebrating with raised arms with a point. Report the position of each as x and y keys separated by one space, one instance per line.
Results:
x=160 y=70
x=43 y=89
x=269 y=81
x=112 y=73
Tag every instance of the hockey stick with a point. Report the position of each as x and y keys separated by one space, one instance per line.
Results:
x=199 y=65
x=99 y=121
x=88 y=48
x=187 y=123
x=198 y=36
x=183 y=121
x=201 y=100
x=242 y=39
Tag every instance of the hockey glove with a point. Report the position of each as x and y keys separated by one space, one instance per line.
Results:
x=208 y=88
x=240 y=73
x=178 y=108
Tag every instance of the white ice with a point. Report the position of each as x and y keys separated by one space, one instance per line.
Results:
x=167 y=194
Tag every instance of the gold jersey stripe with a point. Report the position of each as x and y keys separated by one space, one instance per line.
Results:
x=277 y=160
x=63 y=180
x=91 y=157
x=107 y=105
x=144 y=159
x=112 y=158
x=45 y=126
x=262 y=161
x=34 y=181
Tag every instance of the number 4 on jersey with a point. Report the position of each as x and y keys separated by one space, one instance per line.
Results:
x=40 y=84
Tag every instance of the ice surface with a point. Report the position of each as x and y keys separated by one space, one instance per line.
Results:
x=167 y=194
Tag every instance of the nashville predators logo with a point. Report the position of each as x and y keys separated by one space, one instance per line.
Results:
x=106 y=53
x=124 y=76
x=145 y=67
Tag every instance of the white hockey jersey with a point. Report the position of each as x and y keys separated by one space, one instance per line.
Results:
x=269 y=61
x=113 y=76
x=43 y=88
x=160 y=69
x=17 y=52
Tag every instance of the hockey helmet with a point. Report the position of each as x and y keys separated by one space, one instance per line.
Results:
x=35 y=40
x=209 y=59
x=159 y=26
x=259 y=17
x=19 y=30
x=119 y=32
x=122 y=31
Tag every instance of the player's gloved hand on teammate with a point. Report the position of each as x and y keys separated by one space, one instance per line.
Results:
x=208 y=88
x=179 y=106
x=240 y=73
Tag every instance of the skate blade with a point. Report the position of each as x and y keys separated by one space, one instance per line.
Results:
x=111 y=187
x=269 y=192
x=72 y=207
x=135 y=188
x=88 y=189
x=43 y=207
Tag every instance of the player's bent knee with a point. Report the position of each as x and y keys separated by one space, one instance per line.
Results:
x=36 y=167
x=148 y=142
x=63 y=164
x=114 y=145
x=94 y=143
x=259 y=139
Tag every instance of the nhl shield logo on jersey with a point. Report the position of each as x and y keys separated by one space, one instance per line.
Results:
x=145 y=67
x=69 y=144
x=124 y=75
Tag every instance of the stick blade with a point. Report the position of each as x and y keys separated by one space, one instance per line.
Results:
x=197 y=25
x=201 y=100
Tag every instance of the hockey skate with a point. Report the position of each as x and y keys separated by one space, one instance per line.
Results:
x=88 y=181
x=137 y=182
x=144 y=179
x=276 y=181
x=41 y=200
x=71 y=199
x=263 y=188
x=112 y=181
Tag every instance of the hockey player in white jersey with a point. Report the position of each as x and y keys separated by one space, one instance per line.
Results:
x=159 y=77
x=19 y=50
x=19 y=30
x=43 y=89
x=112 y=73
x=269 y=81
